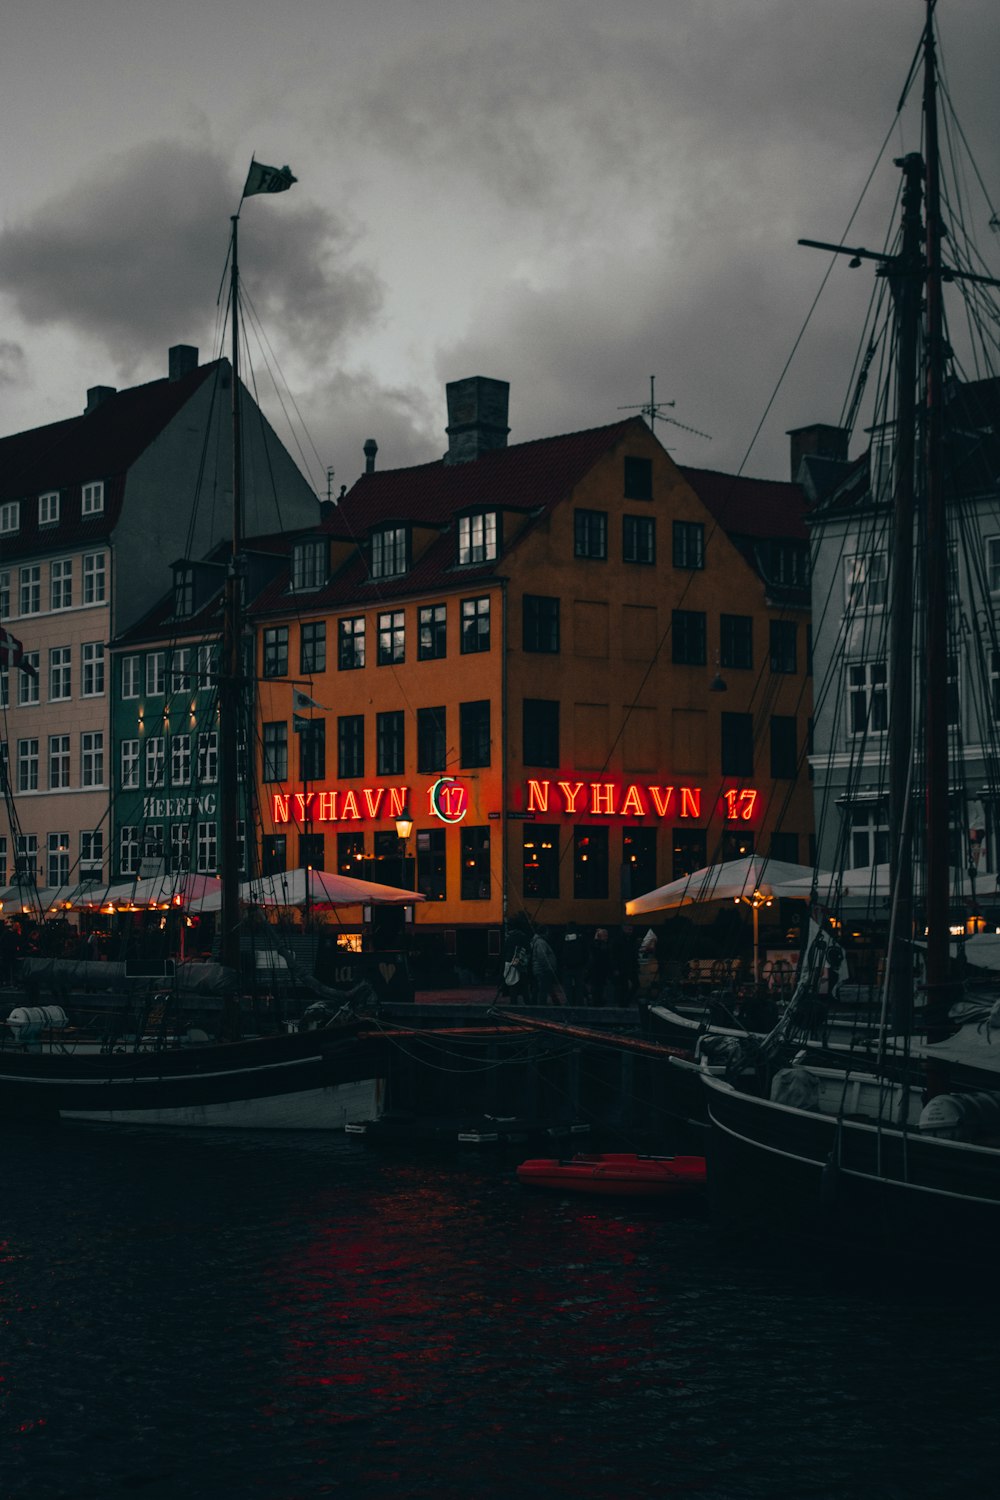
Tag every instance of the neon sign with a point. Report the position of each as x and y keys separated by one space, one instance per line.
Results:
x=369 y=802
x=609 y=799
x=448 y=799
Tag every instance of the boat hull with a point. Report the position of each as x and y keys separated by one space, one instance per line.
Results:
x=849 y=1183
x=304 y=1081
x=617 y=1175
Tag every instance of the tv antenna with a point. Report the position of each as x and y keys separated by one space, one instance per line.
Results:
x=655 y=411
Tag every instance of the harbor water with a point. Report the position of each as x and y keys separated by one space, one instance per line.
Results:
x=297 y=1316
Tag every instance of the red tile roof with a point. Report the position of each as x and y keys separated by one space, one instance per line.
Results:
x=758 y=508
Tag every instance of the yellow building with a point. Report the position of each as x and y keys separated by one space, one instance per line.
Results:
x=581 y=670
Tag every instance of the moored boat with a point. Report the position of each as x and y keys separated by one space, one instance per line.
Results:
x=617 y=1175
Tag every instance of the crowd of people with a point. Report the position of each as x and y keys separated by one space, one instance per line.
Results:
x=599 y=966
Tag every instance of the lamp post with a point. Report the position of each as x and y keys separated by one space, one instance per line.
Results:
x=755 y=902
x=404 y=827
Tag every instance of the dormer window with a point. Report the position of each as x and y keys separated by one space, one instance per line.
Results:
x=477 y=537
x=10 y=517
x=48 y=508
x=183 y=592
x=389 y=552
x=309 y=564
x=92 y=503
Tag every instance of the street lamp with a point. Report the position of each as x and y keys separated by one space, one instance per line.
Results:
x=755 y=902
x=404 y=827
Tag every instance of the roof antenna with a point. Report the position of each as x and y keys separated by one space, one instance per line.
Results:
x=654 y=411
x=329 y=485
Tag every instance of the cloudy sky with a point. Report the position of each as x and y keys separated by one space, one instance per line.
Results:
x=568 y=195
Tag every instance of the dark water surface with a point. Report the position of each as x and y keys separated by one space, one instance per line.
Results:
x=298 y=1316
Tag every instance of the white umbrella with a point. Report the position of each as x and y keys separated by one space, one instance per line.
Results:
x=324 y=887
x=184 y=889
x=753 y=881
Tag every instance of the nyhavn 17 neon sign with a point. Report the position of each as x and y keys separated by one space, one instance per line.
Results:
x=607 y=799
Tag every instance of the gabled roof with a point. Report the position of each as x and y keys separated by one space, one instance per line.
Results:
x=99 y=445
x=771 y=509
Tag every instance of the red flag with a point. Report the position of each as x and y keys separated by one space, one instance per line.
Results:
x=12 y=653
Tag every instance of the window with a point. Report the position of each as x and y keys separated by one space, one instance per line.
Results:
x=431 y=632
x=312 y=750
x=541 y=732
x=638 y=478
x=389 y=551
x=10 y=517
x=276 y=651
x=92 y=500
x=180 y=760
x=475 y=625
x=92 y=655
x=785 y=846
x=4 y=594
x=312 y=851
x=737 y=843
x=154 y=761
x=687 y=637
x=58 y=761
x=590 y=533
x=276 y=751
x=351 y=643
x=788 y=565
x=475 y=856
x=274 y=854
x=351 y=854
x=48 y=508
x=590 y=864
x=540 y=860
x=91 y=853
x=27 y=765
x=207 y=665
x=351 y=745
x=690 y=848
x=869 y=837
x=26 y=856
x=156 y=674
x=689 y=544
x=61 y=584
x=309 y=570
x=389 y=744
x=784 y=750
x=638 y=861
x=638 y=539
x=432 y=750
x=128 y=850
x=474 y=733
x=60 y=673
x=183 y=591
x=57 y=872
x=736 y=641
x=207 y=855
x=477 y=537
x=431 y=864
x=865 y=577
x=30 y=578
x=540 y=616
x=867 y=700
x=784 y=646
x=208 y=757
x=92 y=758
x=93 y=578
x=737 y=744
x=130 y=763
x=391 y=638
x=28 y=679
x=130 y=676
x=312 y=647
x=180 y=846
x=180 y=670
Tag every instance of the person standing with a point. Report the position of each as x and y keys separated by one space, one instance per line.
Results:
x=600 y=967
x=573 y=968
x=544 y=978
x=516 y=977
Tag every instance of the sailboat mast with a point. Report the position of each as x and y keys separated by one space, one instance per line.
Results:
x=231 y=677
x=936 y=574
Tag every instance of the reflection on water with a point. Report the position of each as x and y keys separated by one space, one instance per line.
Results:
x=264 y=1317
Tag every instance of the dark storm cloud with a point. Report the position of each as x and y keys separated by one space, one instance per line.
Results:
x=134 y=255
x=13 y=364
x=346 y=409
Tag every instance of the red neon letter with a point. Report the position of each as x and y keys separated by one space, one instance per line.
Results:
x=690 y=801
x=279 y=807
x=662 y=797
x=602 y=798
x=571 y=792
x=349 y=806
x=304 y=804
x=633 y=803
x=397 y=800
x=373 y=799
x=748 y=800
x=538 y=796
x=326 y=807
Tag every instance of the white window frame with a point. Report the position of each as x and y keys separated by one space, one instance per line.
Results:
x=48 y=508
x=156 y=674
x=60 y=768
x=128 y=849
x=4 y=593
x=131 y=678
x=866 y=580
x=155 y=762
x=207 y=848
x=309 y=565
x=129 y=764
x=180 y=760
x=29 y=684
x=30 y=589
x=60 y=673
x=92 y=498
x=92 y=757
x=867 y=682
x=91 y=852
x=207 y=669
x=61 y=583
x=477 y=537
x=57 y=860
x=92 y=664
x=208 y=757
x=389 y=552
x=180 y=669
x=10 y=517
x=94 y=577
x=27 y=765
x=180 y=847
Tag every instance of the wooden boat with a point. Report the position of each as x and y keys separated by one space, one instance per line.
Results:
x=618 y=1174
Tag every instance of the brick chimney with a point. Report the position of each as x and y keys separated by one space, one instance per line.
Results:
x=97 y=395
x=370 y=450
x=182 y=359
x=818 y=440
x=477 y=417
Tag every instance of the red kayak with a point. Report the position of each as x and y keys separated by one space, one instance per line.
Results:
x=617 y=1174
